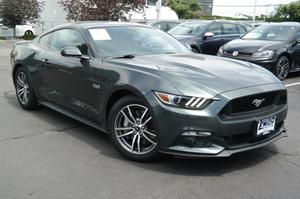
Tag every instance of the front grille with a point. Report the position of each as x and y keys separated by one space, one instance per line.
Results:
x=254 y=103
x=239 y=56
x=236 y=141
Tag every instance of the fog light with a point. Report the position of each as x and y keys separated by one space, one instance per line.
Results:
x=196 y=134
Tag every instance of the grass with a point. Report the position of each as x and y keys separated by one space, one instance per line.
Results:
x=2 y=38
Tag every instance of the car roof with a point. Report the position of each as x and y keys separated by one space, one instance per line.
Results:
x=92 y=24
x=95 y=24
x=282 y=24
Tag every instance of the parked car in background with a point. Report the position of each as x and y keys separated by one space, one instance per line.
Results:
x=150 y=92
x=207 y=36
x=248 y=26
x=164 y=25
x=273 y=46
x=21 y=30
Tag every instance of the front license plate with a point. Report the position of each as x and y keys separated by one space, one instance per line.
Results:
x=266 y=126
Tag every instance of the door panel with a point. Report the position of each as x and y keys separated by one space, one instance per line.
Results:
x=230 y=32
x=211 y=45
x=296 y=53
x=68 y=78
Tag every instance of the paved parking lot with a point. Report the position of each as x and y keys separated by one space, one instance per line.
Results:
x=45 y=155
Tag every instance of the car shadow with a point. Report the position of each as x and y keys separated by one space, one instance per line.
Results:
x=168 y=164
x=293 y=75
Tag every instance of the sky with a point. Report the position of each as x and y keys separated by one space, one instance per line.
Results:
x=220 y=9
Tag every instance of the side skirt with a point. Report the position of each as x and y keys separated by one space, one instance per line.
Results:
x=73 y=115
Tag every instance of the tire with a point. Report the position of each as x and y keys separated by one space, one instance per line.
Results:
x=282 y=67
x=28 y=33
x=128 y=124
x=24 y=90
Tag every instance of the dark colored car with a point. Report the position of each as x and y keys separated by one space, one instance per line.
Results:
x=274 y=46
x=149 y=92
x=207 y=36
x=164 y=25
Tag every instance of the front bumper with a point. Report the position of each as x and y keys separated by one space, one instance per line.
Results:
x=220 y=151
x=226 y=136
x=266 y=63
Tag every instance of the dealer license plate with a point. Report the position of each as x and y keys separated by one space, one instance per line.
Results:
x=266 y=126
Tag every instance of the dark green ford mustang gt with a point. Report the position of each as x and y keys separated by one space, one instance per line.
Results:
x=149 y=92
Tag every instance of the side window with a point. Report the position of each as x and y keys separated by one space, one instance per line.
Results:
x=163 y=26
x=45 y=40
x=215 y=28
x=241 y=29
x=230 y=29
x=68 y=38
x=171 y=25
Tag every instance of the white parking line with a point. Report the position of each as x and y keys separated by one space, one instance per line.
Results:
x=293 y=84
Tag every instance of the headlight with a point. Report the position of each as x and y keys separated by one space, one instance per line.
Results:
x=182 y=101
x=263 y=54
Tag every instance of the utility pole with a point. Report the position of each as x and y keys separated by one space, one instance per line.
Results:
x=158 y=7
x=254 y=10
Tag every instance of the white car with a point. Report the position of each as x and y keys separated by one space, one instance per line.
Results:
x=21 y=30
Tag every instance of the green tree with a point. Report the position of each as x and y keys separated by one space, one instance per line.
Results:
x=16 y=12
x=106 y=10
x=186 y=9
x=289 y=12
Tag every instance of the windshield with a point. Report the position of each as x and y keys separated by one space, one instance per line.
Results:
x=271 y=33
x=187 y=29
x=131 y=40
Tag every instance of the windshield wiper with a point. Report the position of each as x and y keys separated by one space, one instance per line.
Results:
x=125 y=57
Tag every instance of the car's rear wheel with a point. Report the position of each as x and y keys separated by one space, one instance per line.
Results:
x=28 y=33
x=24 y=90
x=132 y=130
x=282 y=67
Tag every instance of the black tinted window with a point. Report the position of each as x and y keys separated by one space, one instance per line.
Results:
x=229 y=29
x=215 y=28
x=68 y=38
x=45 y=40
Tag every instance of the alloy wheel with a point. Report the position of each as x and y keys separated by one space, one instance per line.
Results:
x=283 y=67
x=134 y=130
x=23 y=90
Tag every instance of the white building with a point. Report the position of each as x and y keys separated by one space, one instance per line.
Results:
x=235 y=8
x=150 y=14
x=53 y=14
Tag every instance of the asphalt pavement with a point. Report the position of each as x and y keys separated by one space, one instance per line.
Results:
x=46 y=155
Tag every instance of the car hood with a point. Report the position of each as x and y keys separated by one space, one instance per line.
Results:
x=198 y=75
x=251 y=46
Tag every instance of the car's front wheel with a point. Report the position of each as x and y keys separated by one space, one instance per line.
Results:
x=132 y=130
x=282 y=67
x=24 y=90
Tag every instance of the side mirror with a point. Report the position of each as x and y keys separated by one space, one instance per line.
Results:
x=73 y=52
x=208 y=34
